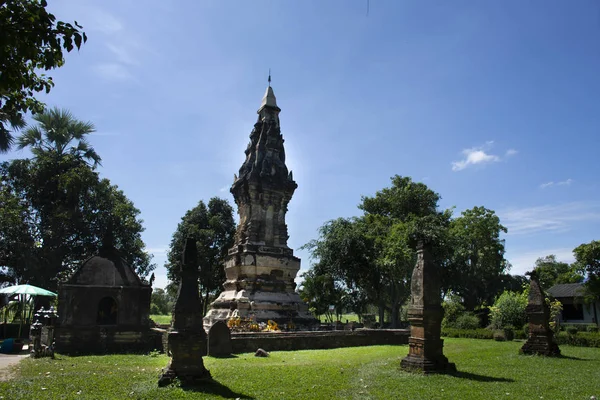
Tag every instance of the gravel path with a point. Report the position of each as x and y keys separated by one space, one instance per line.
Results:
x=6 y=362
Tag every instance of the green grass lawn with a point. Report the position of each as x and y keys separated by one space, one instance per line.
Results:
x=487 y=370
x=161 y=319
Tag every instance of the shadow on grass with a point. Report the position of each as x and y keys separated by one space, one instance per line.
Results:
x=229 y=356
x=214 y=387
x=572 y=358
x=479 y=378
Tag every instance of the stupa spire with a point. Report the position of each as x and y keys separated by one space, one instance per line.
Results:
x=269 y=111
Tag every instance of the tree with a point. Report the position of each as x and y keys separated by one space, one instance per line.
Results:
x=55 y=131
x=403 y=201
x=161 y=302
x=56 y=212
x=508 y=310
x=31 y=41
x=213 y=227
x=477 y=260
x=587 y=260
x=375 y=253
x=57 y=208
x=551 y=272
x=346 y=253
x=16 y=237
x=401 y=216
x=320 y=292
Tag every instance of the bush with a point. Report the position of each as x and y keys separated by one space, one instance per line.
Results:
x=592 y=328
x=453 y=309
x=155 y=310
x=468 y=333
x=520 y=334
x=582 y=339
x=466 y=321
x=571 y=330
x=509 y=310
x=577 y=327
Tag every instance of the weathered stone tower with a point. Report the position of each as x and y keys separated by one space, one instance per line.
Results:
x=425 y=313
x=261 y=268
x=541 y=337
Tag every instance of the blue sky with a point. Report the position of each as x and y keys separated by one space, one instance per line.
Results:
x=489 y=103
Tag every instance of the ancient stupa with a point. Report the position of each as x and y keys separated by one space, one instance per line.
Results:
x=260 y=268
x=541 y=337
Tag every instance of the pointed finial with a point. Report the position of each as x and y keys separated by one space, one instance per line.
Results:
x=269 y=77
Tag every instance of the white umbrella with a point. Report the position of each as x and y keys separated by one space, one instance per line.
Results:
x=26 y=290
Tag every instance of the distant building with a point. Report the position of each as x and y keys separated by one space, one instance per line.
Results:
x=575 y=310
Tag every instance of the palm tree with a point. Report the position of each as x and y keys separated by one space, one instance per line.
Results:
x=58 y=132
x=6 y=124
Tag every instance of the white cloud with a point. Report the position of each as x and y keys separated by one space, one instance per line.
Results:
x=113 y=71
x=157 y=251
x=123 y=53
x=548 y=218
x=552 y=183
x=104 y=22
x=125 y=48
x=567 y=182
x=161 y=281
x=510 y=152
x=523 y=262
x=475 y=156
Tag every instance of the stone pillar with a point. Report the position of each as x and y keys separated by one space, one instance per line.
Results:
x=425 y=315
x=541 y=338
x=186 y=338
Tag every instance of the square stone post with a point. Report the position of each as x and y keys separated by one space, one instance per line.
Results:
x=187 y=338
x=541 y=338
x=425 y=315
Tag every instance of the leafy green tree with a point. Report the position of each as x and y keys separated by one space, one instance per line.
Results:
x=551 y=272
x=161 y=302
x=58 y=133
x=375 y=253
x=477 y=260
x=60 y=223
x=587 y=260
x=321 y=291
x=453 y=309
x=213 y=227
x=16 y=236
x=31 y=41
x=401 y=216
x=403 y=201
x=347 y=253
x=57 y=211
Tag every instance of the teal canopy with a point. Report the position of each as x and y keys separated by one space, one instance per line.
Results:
x=27 y=289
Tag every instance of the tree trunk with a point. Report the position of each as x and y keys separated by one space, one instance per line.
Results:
x=394 y=307
x=381 y=314
x=395 y=315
